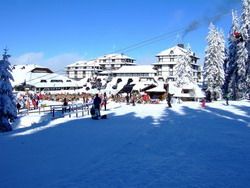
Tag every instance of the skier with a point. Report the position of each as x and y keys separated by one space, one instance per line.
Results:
x=65 y=104
x=18 y=107
x=97 y=103
x=203 y=103
x=169 y=96
x=227 y=99
x=105 y=101
x=127 y=99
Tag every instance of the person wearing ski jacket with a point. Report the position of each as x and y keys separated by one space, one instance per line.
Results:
x=97 y=103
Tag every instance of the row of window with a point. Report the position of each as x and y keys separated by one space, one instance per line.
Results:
x=171 y=59
x=84 y=68
x=54 y=81
x=115 y=60
x=133 y=75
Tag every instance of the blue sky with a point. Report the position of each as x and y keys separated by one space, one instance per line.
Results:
x=55 y=33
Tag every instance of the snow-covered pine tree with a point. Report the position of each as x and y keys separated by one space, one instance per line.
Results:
x=183 y=70
x=241 y=60
x=245 y=48
x=239 y=80
x=214 y=60
x=220 y=79
x=230 y=86
x=8 y=110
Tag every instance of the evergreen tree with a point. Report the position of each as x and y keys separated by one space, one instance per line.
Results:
x=8 y=109
x=231 y=79
x=214 y=62
x=183 y=70
x=245 y=47
x=239 y=64
x=241 y=60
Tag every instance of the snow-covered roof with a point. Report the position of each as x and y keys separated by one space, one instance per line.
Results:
x=158 y=88
x=195 y=90
x=136 y=69
x=52 y=80
x=24 y=73
x=176 y=50
x=84 y=63
x=21 y=72
x=115 y=56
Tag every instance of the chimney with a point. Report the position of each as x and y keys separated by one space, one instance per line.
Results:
x=180 y=45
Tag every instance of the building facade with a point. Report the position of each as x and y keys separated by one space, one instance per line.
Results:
x=107 y=63
x=167 y=59
x=40 y=79
x=115 y=61
x=83 y=69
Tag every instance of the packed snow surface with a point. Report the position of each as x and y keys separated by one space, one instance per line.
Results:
x=147 y=145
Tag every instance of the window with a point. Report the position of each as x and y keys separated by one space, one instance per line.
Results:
x=185 y=91
x=171 y=59
x=56 y=81
x=42 y=81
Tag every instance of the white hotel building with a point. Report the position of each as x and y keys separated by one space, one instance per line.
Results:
x=88 y=69
x=119 y=65
x=167 y=59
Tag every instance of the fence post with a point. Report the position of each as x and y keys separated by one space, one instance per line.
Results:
x=70 y=111
x=82 y=110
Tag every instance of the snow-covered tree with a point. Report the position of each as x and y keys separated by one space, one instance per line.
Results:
x=245 y=46
x=239 y=69
x=241 y=60
x=231 y=82
x=8 y=109
x=214 y=61
x=183 y=70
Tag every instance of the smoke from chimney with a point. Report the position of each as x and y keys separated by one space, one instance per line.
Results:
x=220 y=11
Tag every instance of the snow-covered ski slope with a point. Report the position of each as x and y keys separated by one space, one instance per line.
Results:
x=147 y=145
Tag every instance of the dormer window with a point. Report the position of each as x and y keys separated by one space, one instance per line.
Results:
x=171 y=52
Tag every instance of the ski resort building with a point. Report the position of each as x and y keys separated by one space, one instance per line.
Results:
x=107 y=63
x=38 y=78
x=167 y=59
x=115 y=74
x=115 y=61
x=135 y=71
x=83 y=69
